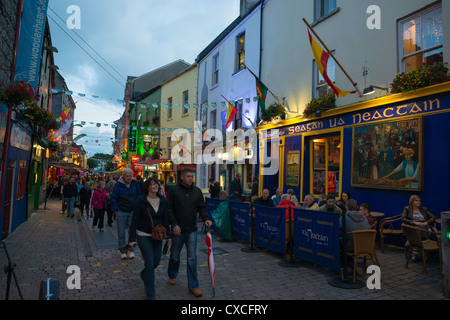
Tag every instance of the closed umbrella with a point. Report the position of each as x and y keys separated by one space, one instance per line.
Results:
x=211 y=267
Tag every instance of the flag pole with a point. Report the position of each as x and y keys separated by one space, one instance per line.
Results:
x=240 y=112
x=337 y=62
x=268 y=89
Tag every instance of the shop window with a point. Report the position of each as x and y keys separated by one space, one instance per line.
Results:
x=421 y=39
x=326 y=165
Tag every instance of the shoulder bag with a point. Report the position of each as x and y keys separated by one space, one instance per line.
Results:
x=159 y=232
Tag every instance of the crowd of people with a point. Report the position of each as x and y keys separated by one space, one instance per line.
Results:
x=137 y=206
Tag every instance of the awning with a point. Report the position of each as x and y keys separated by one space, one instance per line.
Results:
x=152 y=162
x=67 y=166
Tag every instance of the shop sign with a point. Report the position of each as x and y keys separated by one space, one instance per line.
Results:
x=135 y=159
x=20 y=139
x=418 y=107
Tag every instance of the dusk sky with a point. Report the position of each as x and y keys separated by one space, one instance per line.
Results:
x=117 y=39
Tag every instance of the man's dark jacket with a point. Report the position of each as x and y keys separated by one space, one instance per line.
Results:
x=183 y=205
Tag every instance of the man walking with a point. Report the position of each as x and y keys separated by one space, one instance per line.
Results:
x=123 y=197
x=184 y=202
x=70 y=192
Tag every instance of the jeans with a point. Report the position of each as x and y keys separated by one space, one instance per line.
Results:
x=99 y=214
x=190 y=240
x=151 y=252
x=123 y=223
x=70 y=206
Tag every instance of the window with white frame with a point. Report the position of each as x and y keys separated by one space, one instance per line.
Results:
x=240 y=51
x=215 y=70
x=213 y=118
x=322 y=8
x=185 y=102
x=421 y=39
x=321 y=87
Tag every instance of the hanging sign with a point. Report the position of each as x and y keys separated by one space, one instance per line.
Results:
x=135 y=159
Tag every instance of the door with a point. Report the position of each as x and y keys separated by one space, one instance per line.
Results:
x=8 y=201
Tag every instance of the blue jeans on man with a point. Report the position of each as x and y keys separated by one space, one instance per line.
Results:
x=70 y=206
x=151 y=252
x=123 y=223
x=190 y=240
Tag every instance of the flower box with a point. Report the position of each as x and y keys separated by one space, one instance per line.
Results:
x=274 y=110
x=318 y=105
x=422 y=77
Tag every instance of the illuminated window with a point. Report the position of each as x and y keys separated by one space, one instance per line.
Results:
x=421 y=39
x=326 y=165
x=240 y=52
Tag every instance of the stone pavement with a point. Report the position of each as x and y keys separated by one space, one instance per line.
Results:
x=49 y=242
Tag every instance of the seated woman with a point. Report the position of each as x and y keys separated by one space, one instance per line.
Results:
x=345 y=195
x=416 y=215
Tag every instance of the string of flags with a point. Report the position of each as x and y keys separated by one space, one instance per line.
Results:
x=113 y=126
x=156 y=105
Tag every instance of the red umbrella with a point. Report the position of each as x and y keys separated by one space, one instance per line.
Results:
x=211 y=267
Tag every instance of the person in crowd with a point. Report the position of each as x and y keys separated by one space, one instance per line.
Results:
x=223 y=195
x=264 y=200
x=345 y=195
x=366 y=209
x=109 y=187
x=322 y=199
x=310 y=203
x=140 y=182
x=170 y=184
x=98 y=203
x=254 y=188
x=277 y=197
x=85 y=199
x=329 y=205
x=161 y=187
x=354 y=221
x=236 y=187
x=286 y=203
x=70 y=193
x=123 y=198
x=293 y=198
x=150 y=203
x=185 y=201
x=214 y=188
x=64 y=181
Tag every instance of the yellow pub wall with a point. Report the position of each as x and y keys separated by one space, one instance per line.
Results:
x=174 y=88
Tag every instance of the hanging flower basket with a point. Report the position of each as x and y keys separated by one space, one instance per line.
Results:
x=19 y=94
x=145 y=123
x=274 y=110
x=425 y=76
x=155 y=120
x=317 y=106
x=40 y=117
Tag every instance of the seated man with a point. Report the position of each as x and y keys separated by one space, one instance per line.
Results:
x=223 y=195
x=265 y=199
x=310 y=203
x=366 y=208
x=277 y=197
x=330 y=206
x=354 y=221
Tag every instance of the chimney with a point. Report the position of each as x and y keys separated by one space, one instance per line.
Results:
x=246 y=5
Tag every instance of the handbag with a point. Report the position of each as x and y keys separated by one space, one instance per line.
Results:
x=159 y=232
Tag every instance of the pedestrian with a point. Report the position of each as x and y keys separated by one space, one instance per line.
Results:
x=185 y=201
x=236 y=187
x=151 y=203
x=214 y=188
x=64 y=181
x=170 y=184
x=123 y=198
x=254 y=191
x=109 y=212
x=98 y=203
x=70 y=193
x=85 y=199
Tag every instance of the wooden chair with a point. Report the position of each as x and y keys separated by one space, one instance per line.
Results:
x=363 y=247
x=414 y=237
x=374 y=225
x=387 y=229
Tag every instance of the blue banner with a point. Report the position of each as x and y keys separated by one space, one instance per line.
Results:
x=270 y=228
x=240 y=220
x=316 y=237
x=31 y=38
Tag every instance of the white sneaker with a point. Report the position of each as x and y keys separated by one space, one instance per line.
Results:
x=130 y=255
x=123 y=255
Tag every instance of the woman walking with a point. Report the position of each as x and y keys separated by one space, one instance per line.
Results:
x=98 y=202
x=151 y=206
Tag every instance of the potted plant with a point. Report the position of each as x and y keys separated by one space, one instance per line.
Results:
x=40 y=117
x=19 y=94
x=426 y=75
x=318 y=105
x=146 y=123
x=273 y=111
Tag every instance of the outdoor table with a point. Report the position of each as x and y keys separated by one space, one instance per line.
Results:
x=377 y=214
